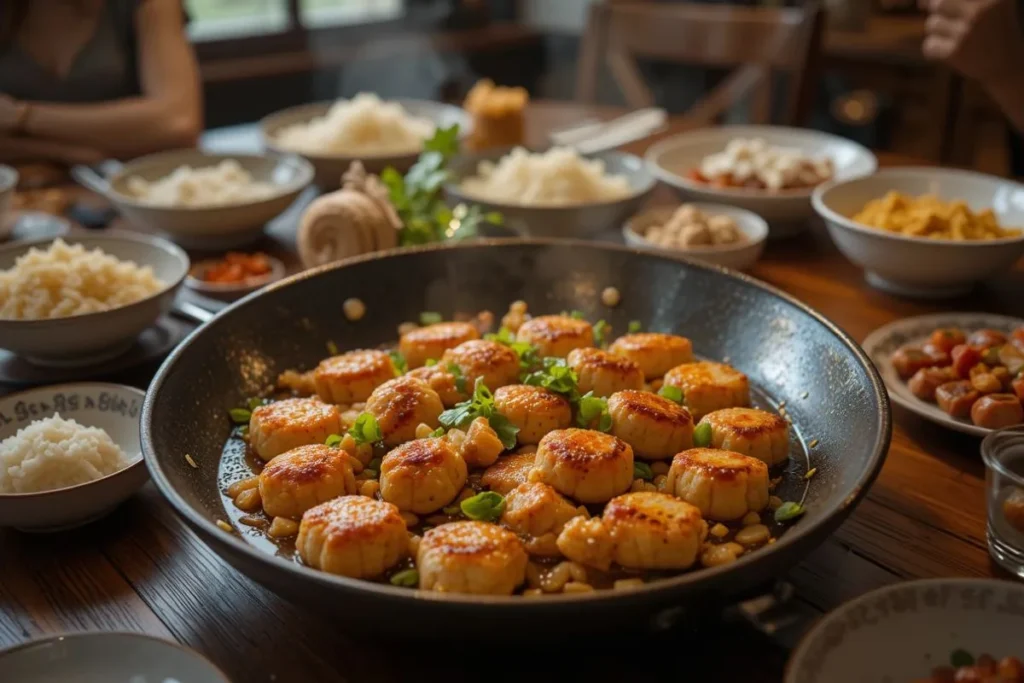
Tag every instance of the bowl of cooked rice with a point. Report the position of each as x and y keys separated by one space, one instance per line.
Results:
x=85 y=299
x=378 y=133
x=554 y=193
x=69 y=454
x=925 y=232
x=203 y=200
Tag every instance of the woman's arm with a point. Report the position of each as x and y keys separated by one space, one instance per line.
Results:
x=167 y=115
x=15 y=149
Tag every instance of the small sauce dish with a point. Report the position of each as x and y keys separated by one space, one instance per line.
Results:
x=229 y=291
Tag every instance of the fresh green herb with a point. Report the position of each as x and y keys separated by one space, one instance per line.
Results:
x=332 y=348
x=366 y=429
x=409 y=578
x=961 y=658
x=634 y=326
x=372 y=474
x=452 y=510
x=430 y=318
x=672 y=393
x=240 y=416
x=243 y=431
x=437 y=432
x=789 y=511
x=642 y=470
x=375 y=464
x=255 y=402
x=601 y=330
x=333 y=440
x=577 y=315
x=481 y=404
x=593 y=409
x=431 y=362
x=811 y=472
x=398 y=360
x=555 y=375
x=702 y=435
x=484 y=507
x=460 y=378
x=528 y=358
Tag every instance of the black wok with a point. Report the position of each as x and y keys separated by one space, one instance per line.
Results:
x=791 y=353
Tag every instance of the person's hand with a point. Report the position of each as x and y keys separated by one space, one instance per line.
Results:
x=982 y=39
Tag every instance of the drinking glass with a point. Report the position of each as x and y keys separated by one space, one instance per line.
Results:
x=1003 y=453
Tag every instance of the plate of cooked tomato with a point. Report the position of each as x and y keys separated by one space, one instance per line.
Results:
x=964 y=371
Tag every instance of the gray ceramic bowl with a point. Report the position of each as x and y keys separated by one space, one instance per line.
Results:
x=215 y=227
x=94 y=337
x=582 y=220
x=111 y=407
x=330 y=167
x=8 y=181
x=106 y=658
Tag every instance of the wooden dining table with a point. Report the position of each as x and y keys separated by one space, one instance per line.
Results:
x=141 y=569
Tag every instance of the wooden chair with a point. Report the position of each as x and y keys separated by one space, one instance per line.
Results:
x=759 y=42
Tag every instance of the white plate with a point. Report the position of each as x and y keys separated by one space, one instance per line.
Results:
x=880 y=345
x=899 y=633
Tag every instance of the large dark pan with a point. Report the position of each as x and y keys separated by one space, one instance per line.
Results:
x=790 y=352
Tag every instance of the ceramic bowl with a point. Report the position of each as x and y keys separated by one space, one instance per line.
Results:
x=91 y=338
x=330 y=167
x=739 y=256
x=106 y=658
x=900 y=633
x=8 y=183
x=916 y=266
x=578 y=221
x=786 y=211
x=229 y=291
x=112 y=407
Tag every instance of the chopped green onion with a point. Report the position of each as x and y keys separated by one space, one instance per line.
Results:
x=366 y=429
x=437 y=432
x=601 y=330
x=431 y=362
x=961 y=658
x=332 y=348
x=333 y=440
x=642 y=470
x=528 y=358
x=255 y=402
x=398 y=360
x=702 y=435
x=460 y=377
x=789 y=511
x=484 y=507
x=240 y=415
x=671 y=392
x=481 y=404
x=430 y=318
x=577 y=315
x=593 y=408
x=243 y=431
x=634 y=326
x=409 y=578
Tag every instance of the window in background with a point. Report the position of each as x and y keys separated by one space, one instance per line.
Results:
x=314 y=13
x=215 y=19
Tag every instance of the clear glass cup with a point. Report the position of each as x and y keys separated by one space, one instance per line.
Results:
x=1003 y=453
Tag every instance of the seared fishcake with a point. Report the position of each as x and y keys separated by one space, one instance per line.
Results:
x=304 y=477
x=588 y=542
x=400 y=405
x=654 y=352
x=479 y=445
x=509 y=472
x=423 y=343
x=654 y=531
x=723 y=485
x=353 y=536
x=352 y=377
x=471 y=557
x=709 y=386
x=283 y=425
x=604 y=373
x=656 y=427
x=752 y=432
x=442 y=381
x=556 y=335
x=496 y=363
x=535 y=410
x=588 y=466
x=422 y=476
x=535 y=509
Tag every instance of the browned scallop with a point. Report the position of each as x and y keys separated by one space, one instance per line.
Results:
x=353 y=536
x=352 y=377
x=283 y=425
x=534 y=509
x=509 y=472
x=422 y=476
x=604 y=373
x=496 y=363
x=400 y=405
x=654 y=531
x=752 y=432
x=654 y=352
x=709 y=386
x=535 y=410
x=723 y=485
x=656 y=427
x=471 y=557
x=304 y=477
x=441 y=380
x=556 y=335
x=588 y=466
x=996 y=411
x=430 y=342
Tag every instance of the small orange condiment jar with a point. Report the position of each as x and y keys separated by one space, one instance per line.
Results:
x=497 y=114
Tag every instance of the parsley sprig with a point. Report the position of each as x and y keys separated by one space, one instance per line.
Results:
x=592 y=413
x=555 y=375
x=529 y=358
x=481 y=405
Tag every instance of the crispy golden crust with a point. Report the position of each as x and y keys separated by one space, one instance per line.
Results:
x=470 y=539
x=496 y=363
x=305 y=465
x=746 y=422
x=556 y=335
x=355 y=365
x=656 y=408
x=295 y=413
x=353 y=518
x=400 y=405
x=421 y=344
x=655 y=511
x=602 y=360
x=418 y=454
x=718 y=464
x=580 y=448
x=524 y=397
x=654 y=352
x=509 y=472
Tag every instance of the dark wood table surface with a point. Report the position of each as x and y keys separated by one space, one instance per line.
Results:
x=141 y=569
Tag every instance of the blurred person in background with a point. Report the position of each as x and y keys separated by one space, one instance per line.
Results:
x=84 y=80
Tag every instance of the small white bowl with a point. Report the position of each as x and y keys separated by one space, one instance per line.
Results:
x=91 y=338
x=786 y=211
x=902 y=632
x=111 y=407
x=915 y=266
x=738 y=256
x=105 y=658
